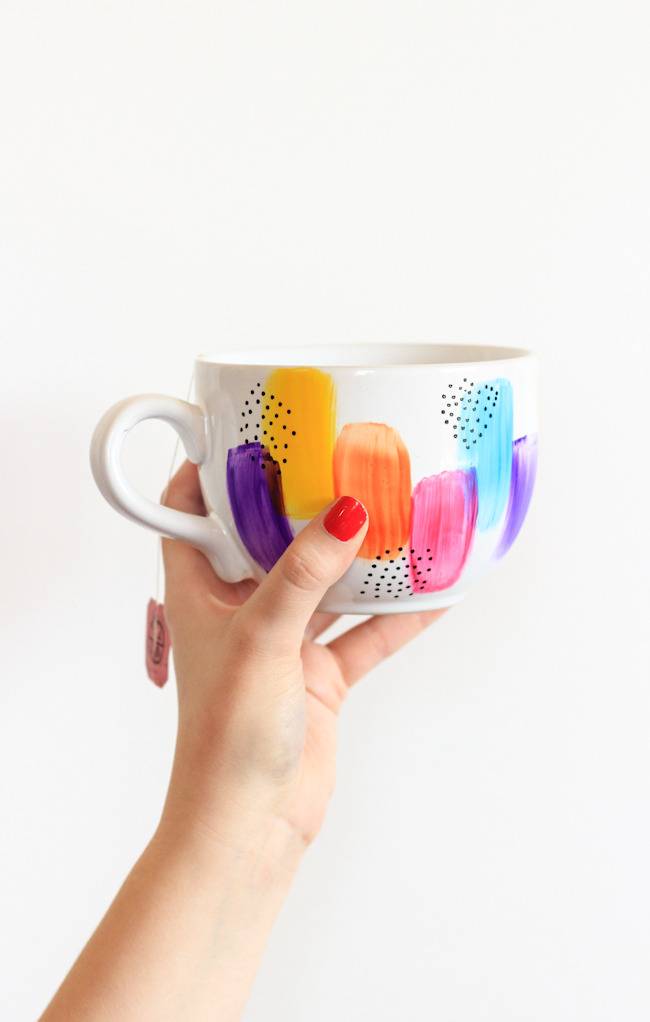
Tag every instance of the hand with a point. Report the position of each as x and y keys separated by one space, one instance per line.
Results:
x=253 y=771
x=258 y=697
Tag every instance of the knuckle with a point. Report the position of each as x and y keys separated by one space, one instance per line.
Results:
x=302 y=570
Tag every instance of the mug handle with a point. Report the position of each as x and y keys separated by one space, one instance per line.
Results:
x=208 y=534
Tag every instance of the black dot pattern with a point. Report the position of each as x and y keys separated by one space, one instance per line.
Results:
x=388 y=576
x=265 y=419
x=263 y=457
x=407 y=573
x=467 y=409
x=422 y=568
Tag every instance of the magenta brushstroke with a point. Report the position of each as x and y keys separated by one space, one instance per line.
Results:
x=443 y=520
x=255 y=491
x=522 y=482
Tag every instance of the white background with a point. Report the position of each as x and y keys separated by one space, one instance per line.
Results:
x=176 y=176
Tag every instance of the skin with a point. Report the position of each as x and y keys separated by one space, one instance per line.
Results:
x=253 y=773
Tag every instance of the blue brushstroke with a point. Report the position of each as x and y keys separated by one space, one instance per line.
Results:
x=485 y=442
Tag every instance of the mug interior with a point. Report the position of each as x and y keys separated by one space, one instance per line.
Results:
x=360 y=356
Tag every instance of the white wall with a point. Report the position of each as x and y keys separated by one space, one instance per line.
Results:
x=178 y=175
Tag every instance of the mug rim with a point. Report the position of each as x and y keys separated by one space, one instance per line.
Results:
x=367 y=356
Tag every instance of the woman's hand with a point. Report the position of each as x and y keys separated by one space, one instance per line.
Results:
x=253 y=771
x=259 y=698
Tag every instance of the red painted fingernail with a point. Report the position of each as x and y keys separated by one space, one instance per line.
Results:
x=345 y=518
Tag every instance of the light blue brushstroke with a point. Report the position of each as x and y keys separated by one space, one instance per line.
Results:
x=489 y=434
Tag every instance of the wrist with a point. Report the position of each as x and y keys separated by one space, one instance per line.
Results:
x=258 y=847
x=222 y=808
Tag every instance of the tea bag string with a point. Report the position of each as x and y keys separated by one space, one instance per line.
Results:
x=172 y=466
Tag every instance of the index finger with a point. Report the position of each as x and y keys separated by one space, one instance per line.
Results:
x=188 y=573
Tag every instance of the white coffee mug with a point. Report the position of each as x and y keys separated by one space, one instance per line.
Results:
x=439 y=442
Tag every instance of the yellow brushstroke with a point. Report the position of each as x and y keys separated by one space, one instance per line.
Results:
x=299 y=428
x=372 y=464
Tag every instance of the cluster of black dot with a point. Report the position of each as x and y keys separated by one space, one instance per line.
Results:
x=269 y=423
x=468 y=409
x=388 y=577
x=396 y=576
x=264 y=460
x=421 y=566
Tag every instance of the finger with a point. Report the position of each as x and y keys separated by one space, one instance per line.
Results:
x=184 y=565
x=319 y=623
x=367 y=644
x=183 y=491
x=188 y=572
x=291 y=592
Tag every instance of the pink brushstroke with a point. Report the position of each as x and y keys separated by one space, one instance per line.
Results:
x=444 y=510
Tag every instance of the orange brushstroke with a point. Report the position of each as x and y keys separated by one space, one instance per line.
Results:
x=372 y=464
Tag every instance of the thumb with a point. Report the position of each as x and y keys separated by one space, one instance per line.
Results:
x=318 y=556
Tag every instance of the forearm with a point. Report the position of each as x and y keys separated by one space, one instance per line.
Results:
x=185 y=934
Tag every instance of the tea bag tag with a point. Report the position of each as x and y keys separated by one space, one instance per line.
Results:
x=157 y=639
x=157 y=644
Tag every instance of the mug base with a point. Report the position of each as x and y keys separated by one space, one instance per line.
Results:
x=430 y=601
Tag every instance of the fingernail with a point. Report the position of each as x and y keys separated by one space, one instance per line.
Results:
x=345 y=518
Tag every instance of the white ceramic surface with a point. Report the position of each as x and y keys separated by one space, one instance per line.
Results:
x=439 y=441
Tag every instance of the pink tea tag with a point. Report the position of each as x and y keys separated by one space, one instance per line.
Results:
x=157 y=644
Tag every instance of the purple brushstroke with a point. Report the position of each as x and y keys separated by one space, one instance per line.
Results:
x=255 y=492
x=522 y=481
